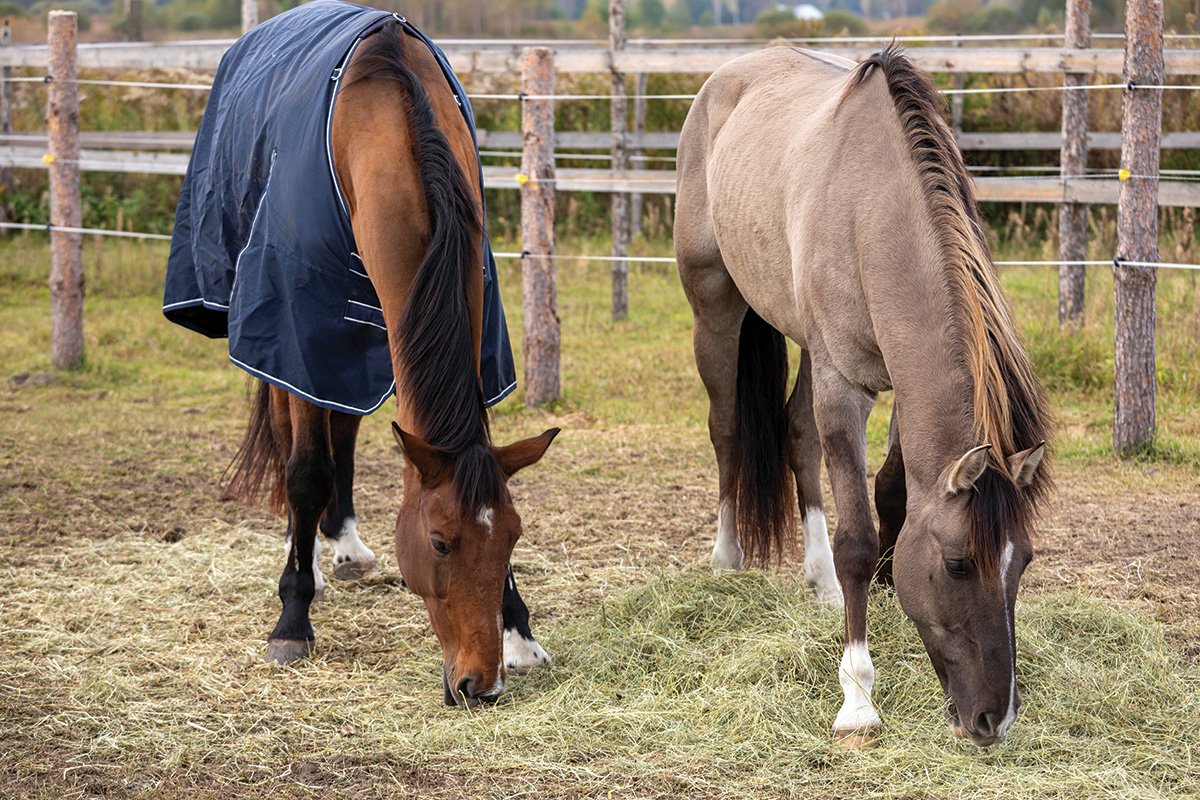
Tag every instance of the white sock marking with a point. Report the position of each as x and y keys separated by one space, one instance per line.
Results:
x=727 y=553
x=857 y=677
x=348 y=547
x=818 y=559
x=521 y=654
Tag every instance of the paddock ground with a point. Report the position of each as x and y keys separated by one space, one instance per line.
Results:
x=136 y=604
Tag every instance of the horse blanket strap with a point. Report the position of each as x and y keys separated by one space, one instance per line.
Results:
x=263 y=251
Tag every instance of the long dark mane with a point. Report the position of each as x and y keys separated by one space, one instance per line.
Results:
x=1006 y=403
x=440 y=380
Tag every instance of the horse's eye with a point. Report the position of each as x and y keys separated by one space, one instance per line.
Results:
x=440 y=546
x=957 y=566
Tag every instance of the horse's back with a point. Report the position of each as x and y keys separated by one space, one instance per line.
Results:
x=769 y=180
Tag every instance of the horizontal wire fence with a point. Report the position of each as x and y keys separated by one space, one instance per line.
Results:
x=1166 y=176
x=608 y=97
x=580 y=257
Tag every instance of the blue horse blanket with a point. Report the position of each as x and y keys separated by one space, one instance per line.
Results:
x=262 y=250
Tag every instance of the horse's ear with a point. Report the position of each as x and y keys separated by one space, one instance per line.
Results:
x=519 y=455
x=1024 y=464
x=432 y=466
x=962 y=474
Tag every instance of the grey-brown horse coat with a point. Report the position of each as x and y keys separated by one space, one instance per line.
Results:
x=831 y=201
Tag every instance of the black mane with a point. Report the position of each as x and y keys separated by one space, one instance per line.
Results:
x=440 y=378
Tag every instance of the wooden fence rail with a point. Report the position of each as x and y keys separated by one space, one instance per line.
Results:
x=468 y=56
x=1050 y=189
x=568 y=141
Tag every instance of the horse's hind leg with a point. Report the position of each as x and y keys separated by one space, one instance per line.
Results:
x=719 y=310
x=351 y=558
x=309 y=483
x=804 y=456
x=891 y=497
x=521 y=651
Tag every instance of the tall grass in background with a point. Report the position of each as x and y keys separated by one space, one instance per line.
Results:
x=642 y=370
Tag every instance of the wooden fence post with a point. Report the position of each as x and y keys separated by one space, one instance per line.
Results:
x=620 y=161
x=66 y=248
x=956 y=102
x=639 y=127
x=1137 y=228
x=540 y=342
x=1073 y=217
x=249 y=14
x=6 y=99
x=133 y=20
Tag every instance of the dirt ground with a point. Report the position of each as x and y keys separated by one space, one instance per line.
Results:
x=609 y=508
x=606 y=502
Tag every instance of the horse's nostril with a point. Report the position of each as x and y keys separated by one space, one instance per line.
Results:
x=987 y=723
x=466 y=689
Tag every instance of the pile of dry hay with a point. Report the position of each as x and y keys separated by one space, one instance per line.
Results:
x=137 y=664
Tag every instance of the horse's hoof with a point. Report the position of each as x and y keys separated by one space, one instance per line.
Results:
x=832 y=599
x=288 y=651
x=318 y=596
x=856 y=738
x=353 y=570
x=725 y=561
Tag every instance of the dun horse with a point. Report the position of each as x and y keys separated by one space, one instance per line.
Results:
x=395 y=289
x=829 y=203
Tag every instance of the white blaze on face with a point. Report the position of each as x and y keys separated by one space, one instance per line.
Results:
x=1011 y=716
x=857 y=677
x=818 y=559
x=486 y=515
x=498 y=686
x=727 y=552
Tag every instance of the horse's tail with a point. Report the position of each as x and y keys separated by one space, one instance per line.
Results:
x=259 y=460
x=761 y=476
x=440 y=381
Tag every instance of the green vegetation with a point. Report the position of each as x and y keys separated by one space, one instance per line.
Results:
x=606 y=365
x=781 y=22
x=839 y=22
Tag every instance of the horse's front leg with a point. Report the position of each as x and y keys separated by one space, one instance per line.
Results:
x=309 y=482
x=521 y=651
x=351 y=558
x=841 y=410
x=891 y=499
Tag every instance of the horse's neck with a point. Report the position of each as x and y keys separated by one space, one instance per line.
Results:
x=917 y=337
x=392 y=229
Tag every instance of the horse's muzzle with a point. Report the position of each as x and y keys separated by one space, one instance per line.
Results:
x=466 y=692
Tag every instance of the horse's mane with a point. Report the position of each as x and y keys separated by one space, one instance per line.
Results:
x=1008 y=408
x=440 y=379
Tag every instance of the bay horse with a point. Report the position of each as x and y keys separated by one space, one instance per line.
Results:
x=828 y=203
x=402 y=163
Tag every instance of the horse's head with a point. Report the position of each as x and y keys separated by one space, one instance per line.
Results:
x=455 y=533
x=958 y=559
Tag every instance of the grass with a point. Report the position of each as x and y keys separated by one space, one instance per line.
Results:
x=135 y=604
